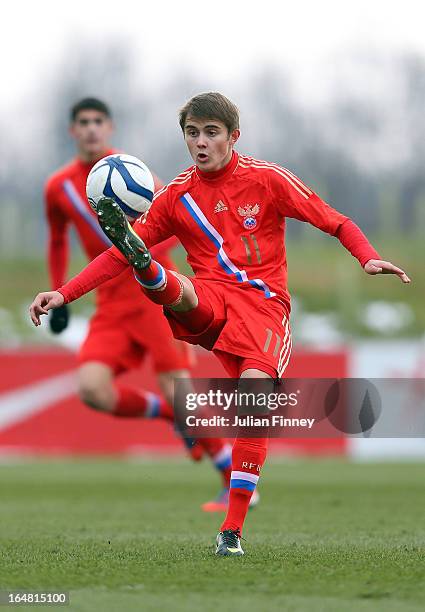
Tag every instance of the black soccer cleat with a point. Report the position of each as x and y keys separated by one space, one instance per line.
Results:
x=229 y=543
x=116 y=226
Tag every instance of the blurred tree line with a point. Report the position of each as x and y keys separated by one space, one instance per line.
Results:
x=361 y=146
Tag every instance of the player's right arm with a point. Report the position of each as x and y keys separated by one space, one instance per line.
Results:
x=57 y=249
x=105 y=266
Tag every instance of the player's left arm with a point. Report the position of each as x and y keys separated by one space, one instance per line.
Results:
x=298 y=201
x=353 y=239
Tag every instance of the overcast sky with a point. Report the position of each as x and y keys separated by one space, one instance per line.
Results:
x=218 y=39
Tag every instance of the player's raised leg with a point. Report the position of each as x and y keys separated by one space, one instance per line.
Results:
x=162 y=286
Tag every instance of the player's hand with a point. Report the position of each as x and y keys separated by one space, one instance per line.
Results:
x=44 y=302
x=59 y=318
x=377 y=266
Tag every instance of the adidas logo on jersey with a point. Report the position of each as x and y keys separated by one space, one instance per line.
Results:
x=220 y=206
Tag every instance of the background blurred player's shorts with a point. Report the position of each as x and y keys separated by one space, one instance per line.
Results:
x=122 y=340
x=246 y=326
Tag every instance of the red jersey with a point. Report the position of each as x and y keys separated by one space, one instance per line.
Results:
x=232 y=225
x=232 y=222
x=66 y=204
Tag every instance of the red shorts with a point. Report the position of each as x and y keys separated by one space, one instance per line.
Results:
x=122 y=340
x=247 y=330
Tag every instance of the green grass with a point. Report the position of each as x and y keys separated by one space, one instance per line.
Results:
x=130 y=536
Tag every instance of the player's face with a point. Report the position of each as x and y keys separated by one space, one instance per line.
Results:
x=91 y=130
x=209 y=142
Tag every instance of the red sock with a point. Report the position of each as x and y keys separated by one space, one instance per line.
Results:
x=221 y=455
x=248 y=457
x=160 y=285
x=133 y=402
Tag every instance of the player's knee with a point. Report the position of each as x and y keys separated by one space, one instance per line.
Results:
x=93 y=396
x=189 y=299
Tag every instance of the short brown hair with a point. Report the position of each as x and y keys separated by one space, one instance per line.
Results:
x=211 y=105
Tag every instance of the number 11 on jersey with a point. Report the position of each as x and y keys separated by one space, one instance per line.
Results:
x=251 y=245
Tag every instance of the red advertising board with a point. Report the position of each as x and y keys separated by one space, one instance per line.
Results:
x=40 y=412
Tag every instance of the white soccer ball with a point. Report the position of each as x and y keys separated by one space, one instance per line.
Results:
x=124 y=178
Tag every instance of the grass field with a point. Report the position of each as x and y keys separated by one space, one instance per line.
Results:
x=130 y=536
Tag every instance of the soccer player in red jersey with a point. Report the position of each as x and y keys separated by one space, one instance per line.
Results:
x=126 y=325
x=229 y=212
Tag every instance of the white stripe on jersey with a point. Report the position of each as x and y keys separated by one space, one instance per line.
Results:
x=285 y=363
x=218 y=241
x=296 y=179
x=286 y=344
x=174 y=182
x=247 y=160
x=263 y=166
x=285 y=351
x=179 y=180
x=281 y=171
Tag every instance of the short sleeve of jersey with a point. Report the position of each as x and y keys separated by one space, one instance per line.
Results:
x=296 y=200
x=156 y=224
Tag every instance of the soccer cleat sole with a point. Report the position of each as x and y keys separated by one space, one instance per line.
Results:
x=115 y=225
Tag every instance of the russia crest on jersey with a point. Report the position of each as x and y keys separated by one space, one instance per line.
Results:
x=248 y=212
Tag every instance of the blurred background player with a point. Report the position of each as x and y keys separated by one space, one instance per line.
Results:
x=126 y=326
